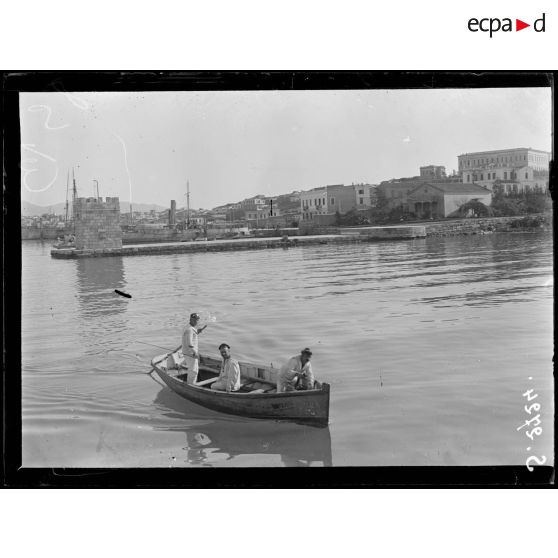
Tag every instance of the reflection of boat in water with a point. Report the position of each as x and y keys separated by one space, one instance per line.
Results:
x=257 y=398
x=297 y=445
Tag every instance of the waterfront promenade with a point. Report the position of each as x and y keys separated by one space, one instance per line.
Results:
x=361 y=234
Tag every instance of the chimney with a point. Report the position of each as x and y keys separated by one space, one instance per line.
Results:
x=172 y=213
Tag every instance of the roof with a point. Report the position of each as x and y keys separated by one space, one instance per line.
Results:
x=455 y=188
x=504 y=151
x=401 y=185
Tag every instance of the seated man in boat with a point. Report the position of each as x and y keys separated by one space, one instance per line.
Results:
x=190 y=347
x=229 y=375
x=297 y=373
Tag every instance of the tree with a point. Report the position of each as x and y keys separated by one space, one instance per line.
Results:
x=351 y=218
x=506 y=207
x=476 y=208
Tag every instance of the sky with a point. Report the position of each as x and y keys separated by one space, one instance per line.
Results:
x=231 y=145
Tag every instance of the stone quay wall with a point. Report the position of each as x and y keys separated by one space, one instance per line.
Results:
x=44 y=233
x=97 y=223
x=482 y=225
x=212 y=246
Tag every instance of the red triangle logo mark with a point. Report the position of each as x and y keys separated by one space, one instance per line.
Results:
x=519 y=25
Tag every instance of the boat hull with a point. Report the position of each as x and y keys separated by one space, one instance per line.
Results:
x=308 y=407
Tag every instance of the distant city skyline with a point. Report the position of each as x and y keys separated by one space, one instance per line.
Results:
x=232 y=145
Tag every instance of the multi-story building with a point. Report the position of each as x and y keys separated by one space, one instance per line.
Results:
x=507 y=170
x=335 y=198
x=254 y=209
x=314 y=202
x=365 y=195
x=430 y=172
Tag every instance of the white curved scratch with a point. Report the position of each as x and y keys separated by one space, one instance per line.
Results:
x=125 y=163
x=27 y=172
x=37 y=108
x=76 y=101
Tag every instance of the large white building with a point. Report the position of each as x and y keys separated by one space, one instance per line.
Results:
x=508 y=170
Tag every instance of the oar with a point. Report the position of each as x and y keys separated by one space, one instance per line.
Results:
x=158 y=346
x=170 y=352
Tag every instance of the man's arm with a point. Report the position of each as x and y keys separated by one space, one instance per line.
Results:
x=292 y=367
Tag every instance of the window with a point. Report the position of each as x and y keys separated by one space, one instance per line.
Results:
x=482 y=176
x=361 y=191
x=526 y=175
x=361 y=201
x=505 y=175
x=468 y=178
x=332 y=201
x=324 y=201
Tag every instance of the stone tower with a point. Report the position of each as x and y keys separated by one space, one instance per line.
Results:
x=97 y=223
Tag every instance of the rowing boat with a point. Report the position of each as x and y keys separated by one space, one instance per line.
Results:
x=257 y=397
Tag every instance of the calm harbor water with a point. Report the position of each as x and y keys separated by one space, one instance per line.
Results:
x=428 y=346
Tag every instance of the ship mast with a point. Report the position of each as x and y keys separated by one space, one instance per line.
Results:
x=188 y=202
x=67 y=189
x=74 y=196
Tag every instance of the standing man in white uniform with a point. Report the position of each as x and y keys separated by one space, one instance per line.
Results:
x=190 y=347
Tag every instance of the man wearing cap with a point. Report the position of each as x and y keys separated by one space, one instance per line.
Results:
x=229 y=375
x=297 y=373
x=190 y=347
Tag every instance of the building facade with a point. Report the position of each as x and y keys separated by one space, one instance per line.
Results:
x=313 y=202
x=335 y=198
x=438 y=199
x=364 y=196
x=395 y=194
x=509 y=171
x=431 y=172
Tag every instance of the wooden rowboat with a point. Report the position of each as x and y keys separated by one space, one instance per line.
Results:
x=257 y=397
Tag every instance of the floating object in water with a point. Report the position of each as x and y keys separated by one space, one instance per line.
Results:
x=122 y=294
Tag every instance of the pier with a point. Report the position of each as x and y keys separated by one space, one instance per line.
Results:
x=360 y=234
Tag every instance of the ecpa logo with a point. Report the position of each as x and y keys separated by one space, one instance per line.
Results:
x=494 y=24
